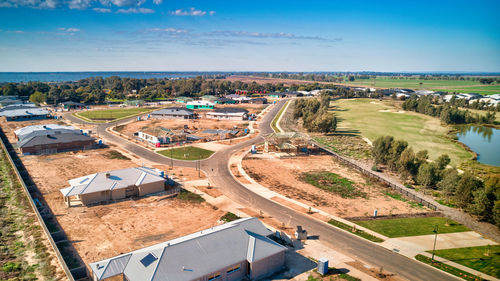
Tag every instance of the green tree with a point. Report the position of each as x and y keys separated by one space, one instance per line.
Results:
x=381 y=148
x=449 y=182
x=466 y=186
x=37 y=97
x=408 y=164
x=427 y=175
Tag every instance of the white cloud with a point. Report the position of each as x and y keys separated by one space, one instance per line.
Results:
x=124 y=3
x=79 y=4
x=169 y=30
x=190 y=12
x=69 y=29
x=102 y=10
x=135 y=11
x=39 y=4
x=211 y=13
x=279 y=35
x=157 y=2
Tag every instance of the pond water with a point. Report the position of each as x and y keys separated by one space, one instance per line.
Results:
x=484 y=141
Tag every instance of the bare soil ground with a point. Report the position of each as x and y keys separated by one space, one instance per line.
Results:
x=197 y=125
x=282 y=176
x=103 y=231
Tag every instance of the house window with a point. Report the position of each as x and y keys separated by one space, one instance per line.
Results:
x=233 y=269
x=214 y=276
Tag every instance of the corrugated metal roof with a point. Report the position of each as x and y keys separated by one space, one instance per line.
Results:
x=117 y=179
x=196 y=255
x=24 y=112
x=173 y=111
x=24 y=131
x=52 y=139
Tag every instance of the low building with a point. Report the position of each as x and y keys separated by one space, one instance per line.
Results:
x=293 y=94
x=288 y=142
x=200 y=104
x=183 y=99
x=8 y=100
x=47 y=128
x=114 y=185
x=68 y=105
x=225 y=101
x=238 y=250
x=210 y=98
x=48 y=142
x=173 y=113
x=23 y=114
x=258 y=101
x=159 y=135
x=228 y=113
x=218 y=134
x=276 y=95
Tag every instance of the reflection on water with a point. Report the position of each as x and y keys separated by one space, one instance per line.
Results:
x=485 y=141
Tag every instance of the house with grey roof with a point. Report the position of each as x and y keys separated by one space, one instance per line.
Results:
x=173 y=113
x=114 y=185
x=238 y=250
x=17 y=106
x=228 y=113
x=23 y=114
x=48 y=142
x=47 y=128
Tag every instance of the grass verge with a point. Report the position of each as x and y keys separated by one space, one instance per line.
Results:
x=333 y=183
x=485 y=259
x=189 y=196
x=187 y=153
x=228 y=217
x=113 y=154
x=412 y=226
x=358 y=232
x=450 y=269
x=277 y=117
x=20 y=235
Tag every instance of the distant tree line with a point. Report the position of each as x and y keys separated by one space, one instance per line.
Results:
x=314 y=114
x=448 y=113
x=478 y=197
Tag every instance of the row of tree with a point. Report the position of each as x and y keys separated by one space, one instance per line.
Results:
x=478 y=197
x=314 y=114
x=448 y=113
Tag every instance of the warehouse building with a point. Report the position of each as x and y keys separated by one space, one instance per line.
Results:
x=203 y=255
x=23 y=114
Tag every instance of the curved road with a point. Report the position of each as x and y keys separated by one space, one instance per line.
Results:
x=218 y=171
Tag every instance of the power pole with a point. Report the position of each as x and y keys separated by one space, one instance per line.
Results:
x=435 y=238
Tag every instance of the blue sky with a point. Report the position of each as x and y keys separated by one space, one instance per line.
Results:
x=183 y=35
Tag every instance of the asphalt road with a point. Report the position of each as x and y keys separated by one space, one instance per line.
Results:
x=218 y=171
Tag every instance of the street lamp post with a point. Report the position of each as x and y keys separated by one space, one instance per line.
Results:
x=435 y=239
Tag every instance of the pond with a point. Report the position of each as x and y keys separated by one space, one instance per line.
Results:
x=485 y=141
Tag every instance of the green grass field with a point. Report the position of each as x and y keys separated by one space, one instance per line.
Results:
x=275 y=120
x=333 y=183
x=475 y=258
x=187 y=153
x=412 y=226
x=435 y=85
x=111 y=114
x=373 y=118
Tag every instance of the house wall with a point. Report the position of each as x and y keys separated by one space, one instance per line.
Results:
x=151 y=188
x=267 y=266
x=148 y=137
x=118 y=194
x=24 y=118
x=173 y=116
x=95 y=197
x=57 y=147
x=225 y=117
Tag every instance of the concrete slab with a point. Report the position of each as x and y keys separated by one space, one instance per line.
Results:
x=448 y=240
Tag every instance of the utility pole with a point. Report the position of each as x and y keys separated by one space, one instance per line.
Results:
x=435 y=238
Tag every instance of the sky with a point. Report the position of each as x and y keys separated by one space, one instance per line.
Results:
x=184 y=35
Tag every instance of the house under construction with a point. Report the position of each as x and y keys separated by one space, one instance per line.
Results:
x=290 y=142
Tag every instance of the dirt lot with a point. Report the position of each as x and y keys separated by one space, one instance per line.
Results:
x=274 y=173
x=103 y=231
x=197 y=125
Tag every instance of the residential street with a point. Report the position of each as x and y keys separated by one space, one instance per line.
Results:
x=219 y=174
